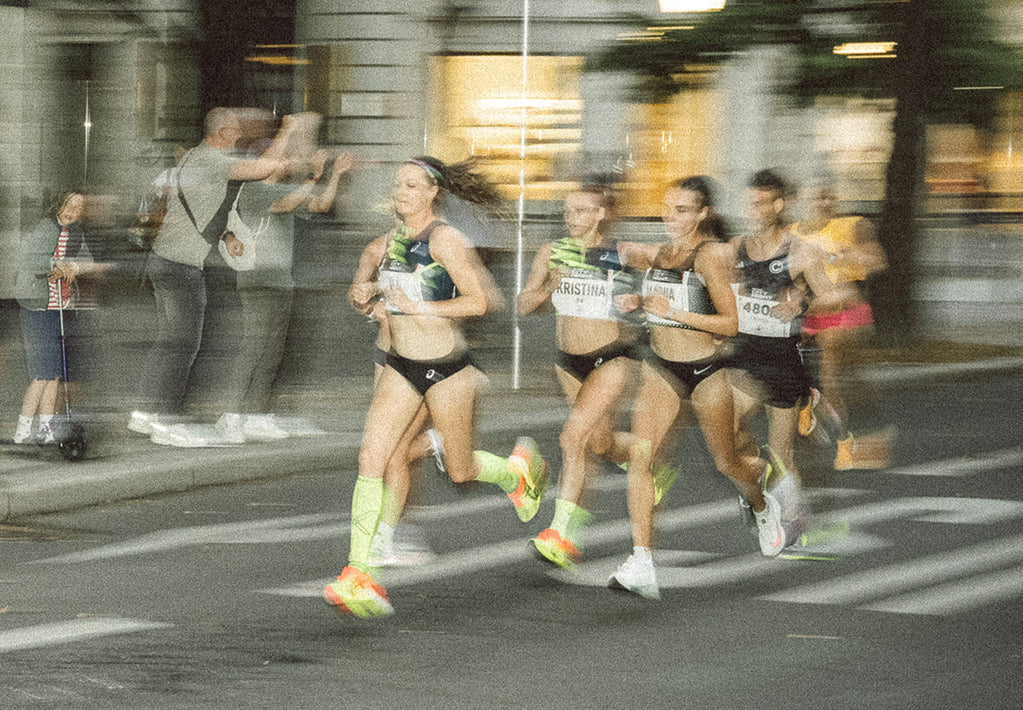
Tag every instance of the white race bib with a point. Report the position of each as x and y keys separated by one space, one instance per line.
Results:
x=677 y=293
x=755 y=317
x=408 y=282
x=585 y=298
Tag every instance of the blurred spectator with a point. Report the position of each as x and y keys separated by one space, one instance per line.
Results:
x=266 y=209
x=50 y=258
x=201 y=195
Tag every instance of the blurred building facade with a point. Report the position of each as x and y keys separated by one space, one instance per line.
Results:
x=97 y=95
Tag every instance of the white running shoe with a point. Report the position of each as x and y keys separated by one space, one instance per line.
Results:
x=262 y=427
x=23 y=432
x=229 y=427
x=770 y=529
x=188 y=436
x=142 y=422
x=437 y=448
x=637 y=575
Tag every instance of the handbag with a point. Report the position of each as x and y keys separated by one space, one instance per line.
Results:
x=246 y=235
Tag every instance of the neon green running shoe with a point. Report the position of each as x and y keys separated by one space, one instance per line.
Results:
x=534 y=476
x=355 y=593
x=555 y=549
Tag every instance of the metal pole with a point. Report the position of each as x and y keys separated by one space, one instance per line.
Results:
x=87 y=125
x=519 y=243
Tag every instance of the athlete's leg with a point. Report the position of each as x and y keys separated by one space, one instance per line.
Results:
x=781 y=434
x=399 y=473
x=657 y=407
x=395 y=403
x=452 y=406
x=597 y=399
x=713 y=401
x=836 y=346
x=747 y=398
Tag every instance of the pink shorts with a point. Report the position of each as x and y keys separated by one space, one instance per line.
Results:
x=854 y=317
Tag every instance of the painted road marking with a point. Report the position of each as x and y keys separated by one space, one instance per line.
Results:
x=70 y=631
x=519 y=550
x=861 y=587
x=165 y=540
x=957 y=597
x=296 y=528
x=965 y=465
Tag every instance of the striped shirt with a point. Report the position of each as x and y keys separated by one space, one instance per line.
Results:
x=58 y=253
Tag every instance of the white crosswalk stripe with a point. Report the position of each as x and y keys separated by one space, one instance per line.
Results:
x=957 y=597
x=963 y=466
x=892 y=579
x=70 y=632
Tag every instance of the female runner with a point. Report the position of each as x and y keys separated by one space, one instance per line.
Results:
x=430 y=278
x=414 y=445
x=690 y=307
x=853 y=254
x=583 y=276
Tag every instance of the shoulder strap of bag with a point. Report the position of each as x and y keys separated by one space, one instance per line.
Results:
x=230 y=198
x=181 y=194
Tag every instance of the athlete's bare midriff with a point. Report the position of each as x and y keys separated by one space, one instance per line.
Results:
x=682 y=345
x=419 y=337
x=581 y=336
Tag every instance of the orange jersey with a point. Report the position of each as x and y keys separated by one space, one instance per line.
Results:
x=836 y=236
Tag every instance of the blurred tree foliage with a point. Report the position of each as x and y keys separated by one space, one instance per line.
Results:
x=941 y=45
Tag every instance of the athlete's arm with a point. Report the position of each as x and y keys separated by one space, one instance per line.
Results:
x=542 y=282
x=867 y=252
x=364 y=283
x=808 y=264
x=638 y=256
x=714 y=264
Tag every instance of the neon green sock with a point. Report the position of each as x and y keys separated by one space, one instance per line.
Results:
x=494 y=469
x=569 y=519
x=392 y=508
x=367 y=505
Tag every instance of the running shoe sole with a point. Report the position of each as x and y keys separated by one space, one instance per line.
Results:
x=551 y=548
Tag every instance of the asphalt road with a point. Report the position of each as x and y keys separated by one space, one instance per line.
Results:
x=211 y=599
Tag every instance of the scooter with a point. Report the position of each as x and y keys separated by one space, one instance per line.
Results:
x=69 y=434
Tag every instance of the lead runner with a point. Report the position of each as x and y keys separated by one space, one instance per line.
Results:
x=430 y=278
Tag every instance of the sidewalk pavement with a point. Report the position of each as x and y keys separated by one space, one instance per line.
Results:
x=121 y=465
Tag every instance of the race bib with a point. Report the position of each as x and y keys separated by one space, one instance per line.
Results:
x=684 y=293
x=585 y=297
x=408 y=282
x=755 y=317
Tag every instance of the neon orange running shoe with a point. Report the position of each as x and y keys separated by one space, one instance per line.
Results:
x=807 y=413
x=533 y=478
x=554 y=548
x=356 y=593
